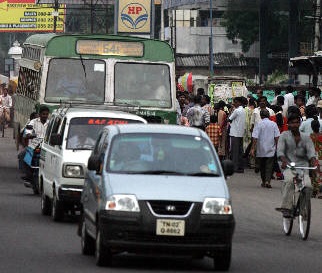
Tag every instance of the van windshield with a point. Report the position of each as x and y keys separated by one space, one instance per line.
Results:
x=83 y=131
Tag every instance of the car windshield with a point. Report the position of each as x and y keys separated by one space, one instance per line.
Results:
x=143 y=84
x=75 y=80
x=162 y=154
x=83 y=131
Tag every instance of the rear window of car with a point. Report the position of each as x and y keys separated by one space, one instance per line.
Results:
x=180 y=154
x=83 y=131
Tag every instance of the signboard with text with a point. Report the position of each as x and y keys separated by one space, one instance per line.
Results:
x=26 y=16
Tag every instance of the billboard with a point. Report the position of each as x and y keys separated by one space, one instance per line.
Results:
x=26 y=16
x=134 y=16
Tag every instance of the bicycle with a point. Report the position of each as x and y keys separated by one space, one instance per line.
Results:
x=301 y=203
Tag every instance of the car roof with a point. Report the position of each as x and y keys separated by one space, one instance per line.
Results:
x=157 y=128
x=89 y=112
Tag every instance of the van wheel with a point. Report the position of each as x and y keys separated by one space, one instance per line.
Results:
x=103 y=255
x=45 y=204
x=57 y=212
x=87 y=242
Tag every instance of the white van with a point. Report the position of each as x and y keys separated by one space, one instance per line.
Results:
x=65 y=150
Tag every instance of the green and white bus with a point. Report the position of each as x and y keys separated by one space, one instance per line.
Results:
x=119 y=72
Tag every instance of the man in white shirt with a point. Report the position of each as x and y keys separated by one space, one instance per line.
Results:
x=6 y=104
x=265 y=137
x=237 y=131
x=314 y=96
x=289 y=97
x=40 y=124
x=255 y=118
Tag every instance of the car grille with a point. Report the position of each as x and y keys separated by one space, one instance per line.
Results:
x=169 y=207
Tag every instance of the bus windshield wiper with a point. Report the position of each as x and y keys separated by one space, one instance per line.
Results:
x=83 y=65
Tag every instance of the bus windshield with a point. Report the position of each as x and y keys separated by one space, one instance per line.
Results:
x=75 y=79
x=143 y=84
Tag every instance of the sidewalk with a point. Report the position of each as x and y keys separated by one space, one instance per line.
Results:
x=8 y=152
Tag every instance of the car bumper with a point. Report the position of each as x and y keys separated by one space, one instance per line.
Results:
x=137 y=233
x=70 y=193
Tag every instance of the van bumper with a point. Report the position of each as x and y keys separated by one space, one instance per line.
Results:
x=70 y=193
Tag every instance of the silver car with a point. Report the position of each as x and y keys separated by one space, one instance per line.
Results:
x=156 y=188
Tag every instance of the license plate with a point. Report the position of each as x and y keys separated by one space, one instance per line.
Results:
x=169 y=227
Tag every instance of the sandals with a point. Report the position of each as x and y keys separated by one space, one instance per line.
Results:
x=268 y=185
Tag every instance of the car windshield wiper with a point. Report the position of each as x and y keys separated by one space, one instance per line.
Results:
x=203 y=174
x=162 y=172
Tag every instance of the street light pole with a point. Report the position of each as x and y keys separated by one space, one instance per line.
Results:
x=211 y=50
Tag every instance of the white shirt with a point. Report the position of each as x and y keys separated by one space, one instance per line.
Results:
x=289 y=100
x=256 y=117
x=265 y=133
x=39 y=127
x=6 y=101
x=238 y=122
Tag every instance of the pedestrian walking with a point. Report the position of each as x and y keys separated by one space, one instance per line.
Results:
x=237 y=131
x=265 y=137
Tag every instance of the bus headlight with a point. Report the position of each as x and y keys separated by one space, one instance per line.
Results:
x=216 y=206
x=75 y=171
x=122 y=202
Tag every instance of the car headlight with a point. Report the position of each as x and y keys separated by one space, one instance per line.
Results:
x=76 y=171
x=216 y=206
x=122 y=202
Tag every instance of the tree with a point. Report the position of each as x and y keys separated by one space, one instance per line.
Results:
x=242 y=22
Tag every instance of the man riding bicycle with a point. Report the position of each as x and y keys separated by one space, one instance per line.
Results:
x=5 y=105
x=296 y=147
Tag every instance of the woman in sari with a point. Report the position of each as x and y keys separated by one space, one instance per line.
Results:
x=222 y=122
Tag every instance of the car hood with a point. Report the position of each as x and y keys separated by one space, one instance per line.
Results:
x=167 y=187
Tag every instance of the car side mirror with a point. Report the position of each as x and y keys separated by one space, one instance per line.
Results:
x=94 y=164
x=228 y=167
x=56 y=139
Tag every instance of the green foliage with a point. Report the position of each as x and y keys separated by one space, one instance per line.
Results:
x=276 y=77
x=242 y=22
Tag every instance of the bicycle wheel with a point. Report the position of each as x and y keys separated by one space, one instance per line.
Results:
x=305 y=213
x=287 y=225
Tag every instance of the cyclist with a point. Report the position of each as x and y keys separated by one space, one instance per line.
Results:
x=293 y=146
x=6 y=104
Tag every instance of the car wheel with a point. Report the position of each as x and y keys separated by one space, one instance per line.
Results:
x=103 y=254
x=222 y=259
x=57 y=212
x=87 y=242
x=45 y=204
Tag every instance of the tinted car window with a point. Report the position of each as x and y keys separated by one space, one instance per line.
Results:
x=165 y=153
x=83 y=131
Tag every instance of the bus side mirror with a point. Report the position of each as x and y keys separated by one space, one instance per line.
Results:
x=56 y=139
x=228 y=167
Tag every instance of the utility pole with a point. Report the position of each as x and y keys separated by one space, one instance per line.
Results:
x=55 y=14
x=211 y=47
x=263 y=40
x=317 y=33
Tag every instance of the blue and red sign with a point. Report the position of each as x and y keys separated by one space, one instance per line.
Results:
x=134 y=16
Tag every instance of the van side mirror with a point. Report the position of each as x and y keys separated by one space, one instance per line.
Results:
x=228 y=167
x=55 y=139
x=94 y=164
